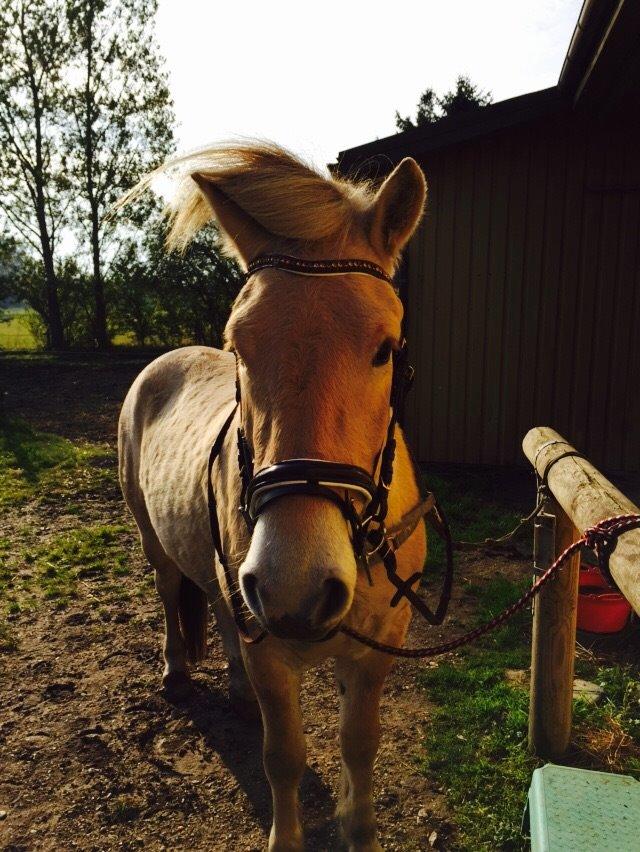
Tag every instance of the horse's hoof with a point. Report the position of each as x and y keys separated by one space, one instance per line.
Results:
x=177 y=686
x=246 y=708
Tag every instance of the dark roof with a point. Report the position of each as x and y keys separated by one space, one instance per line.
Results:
x=601 y=71
x=457 y=128
x=600 y=75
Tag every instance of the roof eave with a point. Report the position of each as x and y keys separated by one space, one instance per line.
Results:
x=449 y=131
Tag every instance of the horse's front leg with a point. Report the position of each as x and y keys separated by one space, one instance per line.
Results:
x=360 y=685
x=277 y=687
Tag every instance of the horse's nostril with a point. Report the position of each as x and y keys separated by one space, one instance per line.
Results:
x=249 y=583
x=334 y=597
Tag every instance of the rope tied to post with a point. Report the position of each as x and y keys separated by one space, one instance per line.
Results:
x=601 y=538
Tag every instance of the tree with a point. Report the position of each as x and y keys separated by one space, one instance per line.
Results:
x=121 y=118
x=466 y=97
x=427 y=112
x=21 y=276
x=34 y=50
x=173 y=299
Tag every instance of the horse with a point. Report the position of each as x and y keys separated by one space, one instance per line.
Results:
x=311 y=354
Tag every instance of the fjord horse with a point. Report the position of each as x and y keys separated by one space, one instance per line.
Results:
x=314 y=367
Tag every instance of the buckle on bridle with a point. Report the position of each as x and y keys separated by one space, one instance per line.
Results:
x=382 y=532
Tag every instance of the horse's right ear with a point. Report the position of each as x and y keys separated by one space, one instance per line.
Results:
x=244 y=238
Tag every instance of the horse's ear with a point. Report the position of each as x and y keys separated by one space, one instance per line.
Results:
x=243 y=236
x=397 y=208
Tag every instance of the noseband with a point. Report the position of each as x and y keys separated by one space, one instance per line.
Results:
x=344 y=485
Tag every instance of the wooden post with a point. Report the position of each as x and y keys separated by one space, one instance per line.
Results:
x=582 y=497
x=588 y=497
x=553 y=641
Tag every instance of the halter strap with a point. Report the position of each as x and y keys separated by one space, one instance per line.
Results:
x=318 y=267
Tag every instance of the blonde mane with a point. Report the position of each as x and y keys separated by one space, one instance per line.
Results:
x=285 y=196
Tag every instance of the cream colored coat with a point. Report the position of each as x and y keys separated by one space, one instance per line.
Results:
x=309 y=390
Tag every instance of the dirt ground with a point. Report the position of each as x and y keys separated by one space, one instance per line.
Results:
x=93 y=756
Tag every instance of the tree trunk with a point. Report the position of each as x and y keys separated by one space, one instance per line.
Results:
x=100 y=334
x=100 y=309
x=55 y=331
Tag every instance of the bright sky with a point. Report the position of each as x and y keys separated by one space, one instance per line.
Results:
x=321 y=77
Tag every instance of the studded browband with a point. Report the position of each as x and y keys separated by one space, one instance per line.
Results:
x=318 y=267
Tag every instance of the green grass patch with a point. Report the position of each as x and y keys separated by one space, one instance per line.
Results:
x=475 y=742
x=55 y=569
x=39 y=464
x=476 y=748
x=40 y=471
x=16 y=330
x=8 y=639
x=474 y=513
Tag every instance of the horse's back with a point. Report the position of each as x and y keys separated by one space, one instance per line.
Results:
x=169 y=420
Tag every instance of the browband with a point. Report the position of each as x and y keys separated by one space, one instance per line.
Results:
x=318 y=267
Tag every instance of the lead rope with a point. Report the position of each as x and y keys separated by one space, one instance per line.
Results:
x=600 y=538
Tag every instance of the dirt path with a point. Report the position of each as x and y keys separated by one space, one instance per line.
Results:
x=94 y=757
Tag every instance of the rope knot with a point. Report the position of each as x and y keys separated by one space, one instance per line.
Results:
x=599 y=535
x=602 y=539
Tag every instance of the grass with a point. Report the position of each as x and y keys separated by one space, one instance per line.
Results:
x=48 y=467
x=475 y=742
x=16 y=332
x=123 y=809
x=41 y=472
x=93 y=553
x=473 y=510
x=8 y=639
x=92 y=556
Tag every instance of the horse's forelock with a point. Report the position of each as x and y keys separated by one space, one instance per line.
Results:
x=286 y=197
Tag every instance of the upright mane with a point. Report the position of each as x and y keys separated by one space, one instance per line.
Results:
x=284 y=195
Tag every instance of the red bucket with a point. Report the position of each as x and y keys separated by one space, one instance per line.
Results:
x=600 y=609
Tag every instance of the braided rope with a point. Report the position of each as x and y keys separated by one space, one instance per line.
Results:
x=600 y=538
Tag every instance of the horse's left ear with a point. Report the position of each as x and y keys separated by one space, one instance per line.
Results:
x=397 y=208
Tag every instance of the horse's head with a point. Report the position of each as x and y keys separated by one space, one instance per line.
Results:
x=314 y=355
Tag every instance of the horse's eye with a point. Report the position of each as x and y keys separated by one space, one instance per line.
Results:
x=383 y=354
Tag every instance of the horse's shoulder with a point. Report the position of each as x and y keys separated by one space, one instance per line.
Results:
x=174 y=372
x=184 y=380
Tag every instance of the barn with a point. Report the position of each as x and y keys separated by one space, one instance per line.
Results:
x=522 y=285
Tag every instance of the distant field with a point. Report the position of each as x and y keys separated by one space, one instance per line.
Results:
x=15 y=332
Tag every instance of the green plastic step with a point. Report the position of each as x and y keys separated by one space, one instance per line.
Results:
x=577 y=810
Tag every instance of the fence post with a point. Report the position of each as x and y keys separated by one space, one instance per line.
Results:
x=553 y=641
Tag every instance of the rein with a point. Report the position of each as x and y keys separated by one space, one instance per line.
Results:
x=333 y=481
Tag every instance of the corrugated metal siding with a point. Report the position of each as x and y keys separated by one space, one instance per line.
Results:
x=523 y=296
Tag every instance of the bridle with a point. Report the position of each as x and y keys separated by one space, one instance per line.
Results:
x=339 y=483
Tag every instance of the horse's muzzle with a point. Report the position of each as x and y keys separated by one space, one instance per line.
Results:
x=317 y=618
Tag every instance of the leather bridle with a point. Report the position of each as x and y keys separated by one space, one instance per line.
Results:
x=339 y=483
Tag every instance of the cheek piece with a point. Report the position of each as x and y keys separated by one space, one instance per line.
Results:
x=339 y=483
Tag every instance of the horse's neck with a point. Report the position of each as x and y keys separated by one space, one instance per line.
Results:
x=405 y=492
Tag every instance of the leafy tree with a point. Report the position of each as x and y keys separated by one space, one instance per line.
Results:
x=34 y=49
x=173 y=299
x=21 y=276
x=427 y=112
x=121 y=119
x=466 y=97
